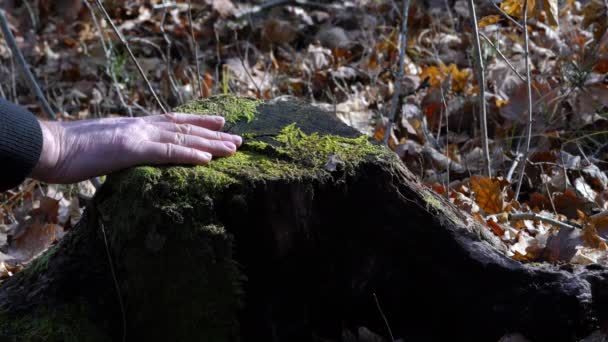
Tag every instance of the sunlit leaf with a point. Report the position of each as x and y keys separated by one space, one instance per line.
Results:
x=489 y=20
x=552 y=12
x=488 y=194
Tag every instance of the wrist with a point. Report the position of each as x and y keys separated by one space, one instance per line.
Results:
x=49 y=155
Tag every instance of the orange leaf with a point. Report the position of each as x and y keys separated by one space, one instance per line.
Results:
x=495 y=228
x=591 y=239
x=488 y=194
x=489 y=20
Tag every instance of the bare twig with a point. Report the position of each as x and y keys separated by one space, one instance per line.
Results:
x=244 y=64
x=388 y=327
x=482 y=92
x=447 y=137
x=504 y=58
x=513 y=167
x=529 y=83
x=195 y=50
x=126 y=44
x=542 y=170
x=116 y=284
x=533 y=216
x=398 y=80
x=504 y=14
x=25 y=70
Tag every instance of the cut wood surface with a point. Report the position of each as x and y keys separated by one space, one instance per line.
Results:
x=291 y=239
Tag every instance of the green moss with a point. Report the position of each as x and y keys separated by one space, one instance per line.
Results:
x=172 y=221
x=315 y=149
x=41 y=263
x=232 y=108
x=67 y=323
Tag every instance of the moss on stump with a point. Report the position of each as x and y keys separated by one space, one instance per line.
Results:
x=291 y=239
x=172 y=256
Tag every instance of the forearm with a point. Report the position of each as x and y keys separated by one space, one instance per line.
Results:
x=20 y=144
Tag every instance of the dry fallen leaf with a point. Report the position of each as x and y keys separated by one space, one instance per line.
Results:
x=488 y=194
x=552 y=12
x=489 y=20
x=35 y=239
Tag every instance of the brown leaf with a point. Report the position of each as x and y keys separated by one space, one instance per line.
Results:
x=591 y=239
x=488 y=194
x=35 y=239
x=495 y=227
x=48 y=210
x=600 y=222
x=279 y=31
x=568 y=203
x=562 y=246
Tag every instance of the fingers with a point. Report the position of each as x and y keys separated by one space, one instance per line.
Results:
x=201 y=132
x=167 y=153
x=215 y=147
x=212 y=122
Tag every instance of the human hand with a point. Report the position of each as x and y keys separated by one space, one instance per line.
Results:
x=79 y=150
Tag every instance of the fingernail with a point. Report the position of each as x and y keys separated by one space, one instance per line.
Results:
x=206 y=156
x=230 y=145
x=238 y=140
x=219 y=119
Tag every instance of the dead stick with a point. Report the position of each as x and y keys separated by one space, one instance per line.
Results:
x=532 y=216
x=529 y=84
x=482 y=92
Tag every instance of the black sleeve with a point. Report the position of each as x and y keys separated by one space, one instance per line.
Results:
x=20 y=144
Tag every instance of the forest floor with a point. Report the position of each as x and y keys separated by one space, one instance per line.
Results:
x=343 y=56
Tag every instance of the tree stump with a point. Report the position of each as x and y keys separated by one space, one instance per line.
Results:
x=291 y=239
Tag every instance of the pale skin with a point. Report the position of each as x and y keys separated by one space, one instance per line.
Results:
x=79 y=150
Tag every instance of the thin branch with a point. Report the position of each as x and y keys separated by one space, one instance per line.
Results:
x=398 y=80
x=24 y=67
x=529 y=84
x=482 y=92
x=513 y=167
x=126 y=44
x=504 y=58
x=195 y=50
x=116 y=284
x=446 y=110
x=388 y=327
x=507 y=16
x=533 y=216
